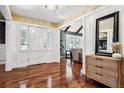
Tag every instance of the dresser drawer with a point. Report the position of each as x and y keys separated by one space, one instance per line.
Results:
x=113 y=74
x=110 y=81
x=91 y=68
x=103 y=78
x=94 y=75
x=101 y=75
x=94 y=61
x=93 y=72
x=110 y=65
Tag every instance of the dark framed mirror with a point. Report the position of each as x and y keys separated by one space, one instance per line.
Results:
x=106 y=33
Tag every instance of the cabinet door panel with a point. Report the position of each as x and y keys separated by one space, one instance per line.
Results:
x=22 y=45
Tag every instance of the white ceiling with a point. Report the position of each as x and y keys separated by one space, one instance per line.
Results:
x=39 y=12
x=76 y=25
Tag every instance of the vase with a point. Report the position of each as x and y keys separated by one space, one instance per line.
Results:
x=116 y=55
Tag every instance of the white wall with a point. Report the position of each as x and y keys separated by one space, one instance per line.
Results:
x=89 y=28
x=15 y=57
x=56 y=46
x=11 y=48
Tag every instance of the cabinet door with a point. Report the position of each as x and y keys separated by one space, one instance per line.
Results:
x=22 y=45
x=36 y=45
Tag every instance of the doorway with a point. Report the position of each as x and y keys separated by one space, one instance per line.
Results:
x=71 y=42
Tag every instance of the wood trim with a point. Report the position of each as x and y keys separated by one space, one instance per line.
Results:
x=81 y=27
x=1 y=16
x=67 y=28
x=33 y=21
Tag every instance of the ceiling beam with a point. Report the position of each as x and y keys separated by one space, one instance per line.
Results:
x=67 y=28
x=79 y=29
x=6 y=12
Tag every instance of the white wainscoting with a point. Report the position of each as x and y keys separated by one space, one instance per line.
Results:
x=89 y=28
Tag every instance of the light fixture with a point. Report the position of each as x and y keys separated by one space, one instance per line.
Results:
x=32 y=30
x=51 y=7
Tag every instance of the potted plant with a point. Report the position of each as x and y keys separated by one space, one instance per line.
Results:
x=116 y=47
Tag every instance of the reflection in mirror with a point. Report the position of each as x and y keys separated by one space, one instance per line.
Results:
x=106 y=35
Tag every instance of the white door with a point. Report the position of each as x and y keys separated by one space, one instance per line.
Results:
x=36 y=45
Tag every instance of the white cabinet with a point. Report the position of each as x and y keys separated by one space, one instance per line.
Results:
x=22 y=45
x=11 y=46
x=29 y=45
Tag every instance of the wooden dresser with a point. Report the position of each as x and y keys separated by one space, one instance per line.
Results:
x=106 y=70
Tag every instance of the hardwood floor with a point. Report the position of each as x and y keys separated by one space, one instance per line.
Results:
x=55 y=75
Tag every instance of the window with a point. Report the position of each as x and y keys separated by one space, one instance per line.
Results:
x=50 y=39
x=23 y=37
x=73 y=41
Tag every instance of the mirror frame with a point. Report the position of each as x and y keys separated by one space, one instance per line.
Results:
x=115 y=32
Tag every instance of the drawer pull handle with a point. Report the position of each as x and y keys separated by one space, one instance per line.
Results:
x=99 y=66
x=99 y=74
x=99 y=58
